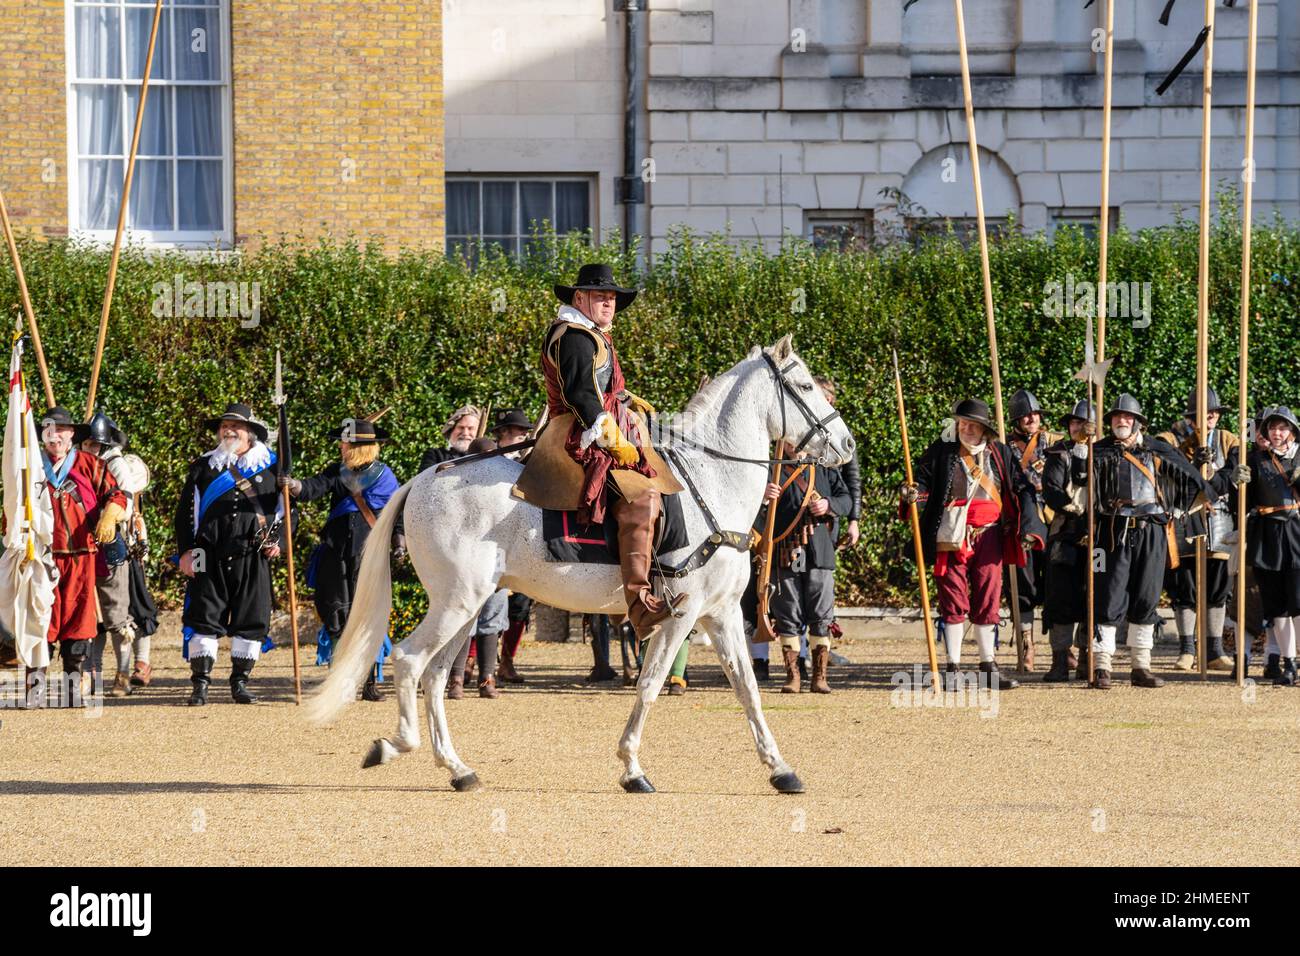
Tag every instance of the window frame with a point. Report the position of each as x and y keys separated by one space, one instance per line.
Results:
x=158 y=238
x=521 y=235
x=863 y=218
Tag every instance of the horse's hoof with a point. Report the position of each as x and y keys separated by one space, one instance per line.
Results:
x=787 y=782
x=637 y=785
x=376 y=755
x=466 y=783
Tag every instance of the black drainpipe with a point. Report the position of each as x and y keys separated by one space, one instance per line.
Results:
x=630 y=189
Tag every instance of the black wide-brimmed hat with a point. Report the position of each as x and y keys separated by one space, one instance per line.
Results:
x=974 y=410
x=239 y=412
x=597 y=277
x=359 y=431
x=511 y=418
x=1127 y=404
x=58 y=415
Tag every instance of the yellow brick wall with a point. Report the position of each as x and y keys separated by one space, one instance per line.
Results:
x=338 y=119
x=33 y=117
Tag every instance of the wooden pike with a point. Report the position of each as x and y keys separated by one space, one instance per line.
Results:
x=1203 y=321
x=915 y=519
x=973 y=145
x=121 y=213
x=1248 y=171
x=27 y=301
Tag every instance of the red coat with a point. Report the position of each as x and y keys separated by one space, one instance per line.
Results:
x=89 y=485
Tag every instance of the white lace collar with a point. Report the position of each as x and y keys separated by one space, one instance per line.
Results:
x=568 y=313
x=257 y=457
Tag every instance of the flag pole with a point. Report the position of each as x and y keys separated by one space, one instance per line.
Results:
x=915 y=520
x=282 y=468
x=1203 y=323
x=988 y=297
x=121 y=212
x=1242 y=360
x=27 y=301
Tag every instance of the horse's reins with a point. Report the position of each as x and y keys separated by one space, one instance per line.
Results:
x=735 y=539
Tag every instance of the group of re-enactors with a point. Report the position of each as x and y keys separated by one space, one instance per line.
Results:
x=987 y=509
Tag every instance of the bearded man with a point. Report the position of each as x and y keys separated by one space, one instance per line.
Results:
x=228 y=530
x=460 y=430
x=977 y=514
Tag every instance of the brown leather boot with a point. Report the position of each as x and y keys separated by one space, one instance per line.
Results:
x=142 y=674
x=1026 y=662
x=1144 y=678
x=506 y=672
x=790 y=657
x=488 y=689
x=8 y=654
x=1103 y=680
x=456 y=687
x=636 y=528
x=121 y=685
x=820 y=658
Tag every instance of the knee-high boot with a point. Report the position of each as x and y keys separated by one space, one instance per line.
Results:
x=636 y=528
x=241 y=669
x=200 y=678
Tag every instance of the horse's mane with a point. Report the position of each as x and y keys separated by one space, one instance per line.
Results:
x=705 y=397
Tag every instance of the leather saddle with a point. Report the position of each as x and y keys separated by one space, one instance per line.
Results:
x=552 y=480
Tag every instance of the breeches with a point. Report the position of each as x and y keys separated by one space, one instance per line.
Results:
x=231 y=596
x=971 y=587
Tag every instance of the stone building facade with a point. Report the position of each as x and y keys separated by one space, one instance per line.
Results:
x=812 y=116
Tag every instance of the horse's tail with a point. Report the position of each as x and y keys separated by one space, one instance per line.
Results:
x=367 y=622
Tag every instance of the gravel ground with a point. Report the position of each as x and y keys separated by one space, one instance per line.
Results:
x=1191 y=774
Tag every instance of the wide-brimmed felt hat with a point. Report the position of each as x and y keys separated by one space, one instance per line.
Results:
x=239 y=412
x=58 y=415
x=511 y=418
x=359 y=431
x=975 y=410
x=597 y=277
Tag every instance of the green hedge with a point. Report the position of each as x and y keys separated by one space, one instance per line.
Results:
x=361 y=330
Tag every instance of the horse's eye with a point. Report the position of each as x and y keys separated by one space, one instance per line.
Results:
x=806 y=386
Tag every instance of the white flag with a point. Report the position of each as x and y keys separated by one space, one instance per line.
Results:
x=27 y=571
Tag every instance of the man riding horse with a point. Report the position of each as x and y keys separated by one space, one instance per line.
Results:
x=600 y=427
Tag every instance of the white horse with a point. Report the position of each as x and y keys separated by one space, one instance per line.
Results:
x=467 y=536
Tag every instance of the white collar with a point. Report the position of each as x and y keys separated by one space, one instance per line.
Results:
x=568 y=313
x=977 y=449
x=1288 y=453
x=258 y=456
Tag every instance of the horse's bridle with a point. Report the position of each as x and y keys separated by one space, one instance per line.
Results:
x=817 y=426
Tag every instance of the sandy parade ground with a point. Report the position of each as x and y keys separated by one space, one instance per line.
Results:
x=1047 y=774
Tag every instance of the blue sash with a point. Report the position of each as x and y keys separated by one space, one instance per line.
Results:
x=223 y=483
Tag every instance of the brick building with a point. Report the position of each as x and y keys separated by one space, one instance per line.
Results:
x=769 y=115
x=264 y=117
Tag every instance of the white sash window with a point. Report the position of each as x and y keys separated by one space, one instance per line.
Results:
x=181 y=189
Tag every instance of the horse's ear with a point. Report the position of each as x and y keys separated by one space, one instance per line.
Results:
x=784 y=348
x=755 y=352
